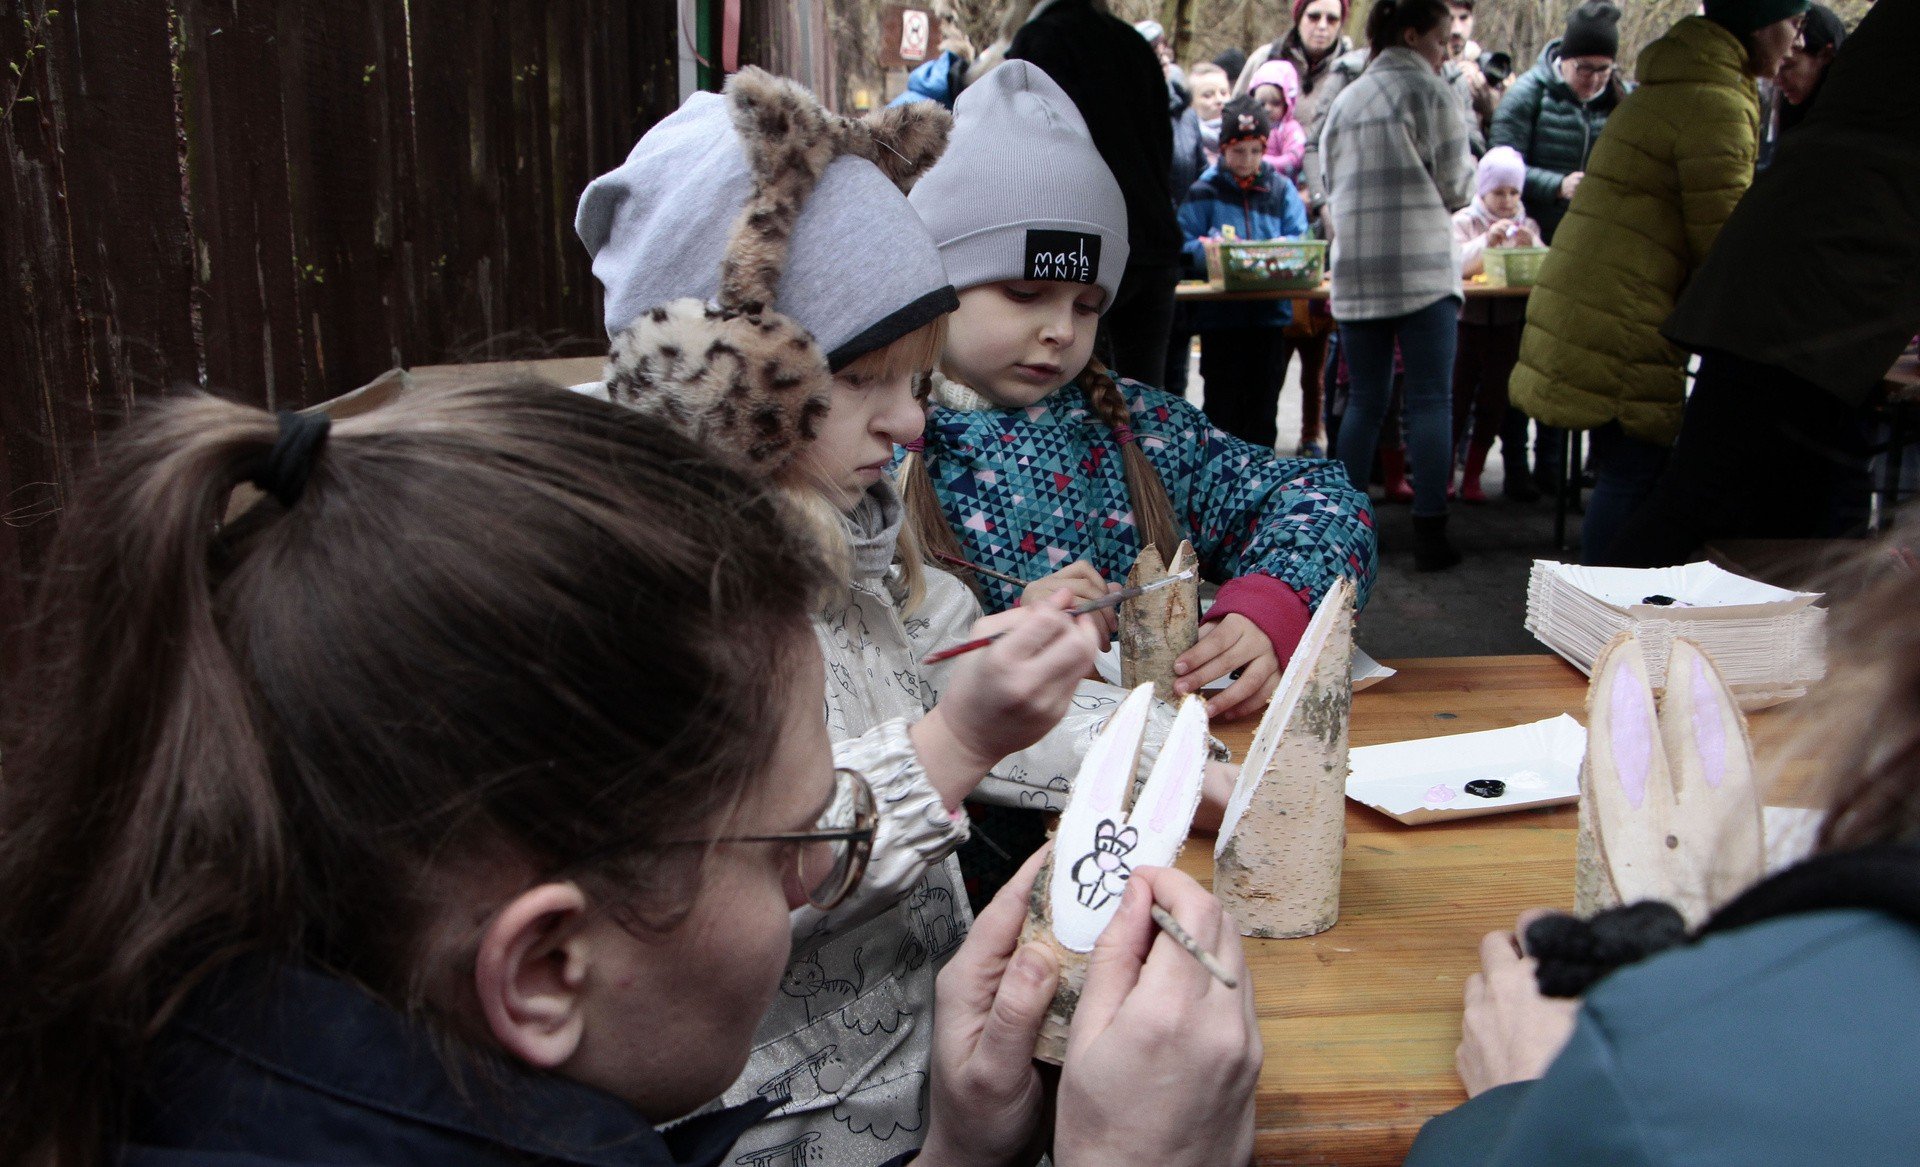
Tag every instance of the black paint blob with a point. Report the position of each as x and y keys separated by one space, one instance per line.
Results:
x=1486 y=788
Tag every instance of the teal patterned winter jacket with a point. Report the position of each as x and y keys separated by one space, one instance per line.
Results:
x=1031 y=490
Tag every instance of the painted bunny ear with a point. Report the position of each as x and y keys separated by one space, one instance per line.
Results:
x=1626 y=791
x=1717 y=820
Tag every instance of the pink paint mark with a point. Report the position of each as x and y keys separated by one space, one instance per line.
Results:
x=1708 y=729
x=1440 y=795
x=1163 y=810
x=1632 y=735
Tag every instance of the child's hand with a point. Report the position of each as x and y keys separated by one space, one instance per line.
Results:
x=1083 y=579
x=1511 y=1033
x=1229 y=643
x=1162 y=1059
x=1216 y=790
x=1522 y=236
x=1006 y=696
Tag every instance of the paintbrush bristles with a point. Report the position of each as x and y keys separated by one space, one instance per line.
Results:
x=1179 y=935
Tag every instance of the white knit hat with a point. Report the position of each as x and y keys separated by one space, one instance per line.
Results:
x=1021 y=193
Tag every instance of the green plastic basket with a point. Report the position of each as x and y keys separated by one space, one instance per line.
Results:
x=1513 y=267
x=1293 y=265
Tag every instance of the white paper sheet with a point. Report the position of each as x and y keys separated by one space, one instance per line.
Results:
x=1424 y=780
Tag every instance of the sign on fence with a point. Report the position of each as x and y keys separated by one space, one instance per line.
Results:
x=906 y=36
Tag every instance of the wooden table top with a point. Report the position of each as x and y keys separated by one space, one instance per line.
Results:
x=1199 y=291
x=1361 y=1021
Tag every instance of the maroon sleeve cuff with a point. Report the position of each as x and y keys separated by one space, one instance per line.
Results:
x=1273 y=606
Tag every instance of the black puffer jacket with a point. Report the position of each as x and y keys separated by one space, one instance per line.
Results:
x=1553 y=131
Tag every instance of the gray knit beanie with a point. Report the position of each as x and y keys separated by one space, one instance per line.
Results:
x=861 y=271
x=1021 y=193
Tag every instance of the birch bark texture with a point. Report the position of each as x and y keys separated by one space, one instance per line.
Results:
x=1669 y=806
x=1106 y=831
x=1157 y=627
x=1277 y=858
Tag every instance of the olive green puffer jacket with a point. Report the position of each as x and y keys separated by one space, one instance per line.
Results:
x=1675 y=158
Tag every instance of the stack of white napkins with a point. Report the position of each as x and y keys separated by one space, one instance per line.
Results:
x=1768 y=642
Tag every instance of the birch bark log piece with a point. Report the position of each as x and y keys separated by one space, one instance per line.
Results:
x=1157 y=627
x=1103 y=834
x=1277 y=858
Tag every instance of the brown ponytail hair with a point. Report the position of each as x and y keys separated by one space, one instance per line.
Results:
x=1153 y=514
x=501 y=625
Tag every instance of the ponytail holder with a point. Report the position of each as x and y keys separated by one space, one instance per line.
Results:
x=284 y=473
x=916 y=445
x=1123 y=434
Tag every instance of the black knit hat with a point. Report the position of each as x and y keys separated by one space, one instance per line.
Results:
x=1593 y=30
x=1243 y=118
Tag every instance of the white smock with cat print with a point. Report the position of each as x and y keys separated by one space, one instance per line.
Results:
x=849 y=1036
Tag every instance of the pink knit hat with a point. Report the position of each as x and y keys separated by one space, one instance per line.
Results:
x=1281 y=74
x=1502 y=166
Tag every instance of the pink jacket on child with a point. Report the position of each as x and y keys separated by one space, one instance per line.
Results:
x=1287 y=143
x=1470 y=225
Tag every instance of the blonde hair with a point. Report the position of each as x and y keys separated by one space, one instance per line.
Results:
x=811 y=502
x=1153 y=514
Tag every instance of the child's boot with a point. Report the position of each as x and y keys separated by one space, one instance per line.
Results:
x=1393 y=468
x=1470 y=490
x=1431 y=549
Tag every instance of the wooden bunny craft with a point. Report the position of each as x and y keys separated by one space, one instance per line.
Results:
x=1106 y=831
x=1668 y=805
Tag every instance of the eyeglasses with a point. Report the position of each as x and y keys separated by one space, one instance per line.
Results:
x=1320 y=18
x=833 y=855
x=1594 y=71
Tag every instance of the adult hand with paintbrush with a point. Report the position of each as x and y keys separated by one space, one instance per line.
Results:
x=1005 y=696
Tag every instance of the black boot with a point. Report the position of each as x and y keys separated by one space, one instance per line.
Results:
x=1431 y=550
x=1517 y=483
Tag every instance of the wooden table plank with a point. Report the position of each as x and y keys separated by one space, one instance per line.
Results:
x=1361 y=1021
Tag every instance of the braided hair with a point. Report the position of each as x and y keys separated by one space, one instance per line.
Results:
x=1153 y=513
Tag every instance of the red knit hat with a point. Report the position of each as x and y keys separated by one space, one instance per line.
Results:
x=1300 y=8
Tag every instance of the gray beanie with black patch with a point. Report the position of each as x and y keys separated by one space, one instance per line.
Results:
x=1021 y=193
x=861 y=273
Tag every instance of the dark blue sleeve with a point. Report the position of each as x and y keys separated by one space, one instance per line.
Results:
x=1293 y=212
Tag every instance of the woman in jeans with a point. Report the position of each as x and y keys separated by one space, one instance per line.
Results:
x=1397 y=168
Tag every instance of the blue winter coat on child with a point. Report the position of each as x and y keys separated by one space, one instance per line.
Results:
x=1030 y=490
x=1266 y=207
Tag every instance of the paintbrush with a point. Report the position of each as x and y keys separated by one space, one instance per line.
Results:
x=976 y=569
x=1179 y=936
x=1110 y=600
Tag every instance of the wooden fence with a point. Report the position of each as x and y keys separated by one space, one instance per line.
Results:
x=278 y=199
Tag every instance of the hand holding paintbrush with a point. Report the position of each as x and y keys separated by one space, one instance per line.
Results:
x=1110 y=600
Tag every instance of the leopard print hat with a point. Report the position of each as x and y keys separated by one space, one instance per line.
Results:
x=751 y=246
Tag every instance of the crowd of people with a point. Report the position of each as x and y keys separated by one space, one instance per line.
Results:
x=1459 y=376
x=513 y=773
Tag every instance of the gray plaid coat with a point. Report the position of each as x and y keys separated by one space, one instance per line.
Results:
x=1397 y=167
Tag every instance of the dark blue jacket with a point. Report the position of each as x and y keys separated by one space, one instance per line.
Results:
x=268 y=1068
x=1789 y=1042
x=1270 y=208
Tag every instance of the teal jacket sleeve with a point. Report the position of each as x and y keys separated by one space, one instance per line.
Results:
x=1578 y=1115
x=1297 y=520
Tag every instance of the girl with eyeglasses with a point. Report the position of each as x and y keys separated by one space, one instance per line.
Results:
x=435 y=787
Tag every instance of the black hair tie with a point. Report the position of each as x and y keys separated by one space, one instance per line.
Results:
x=284 y=473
